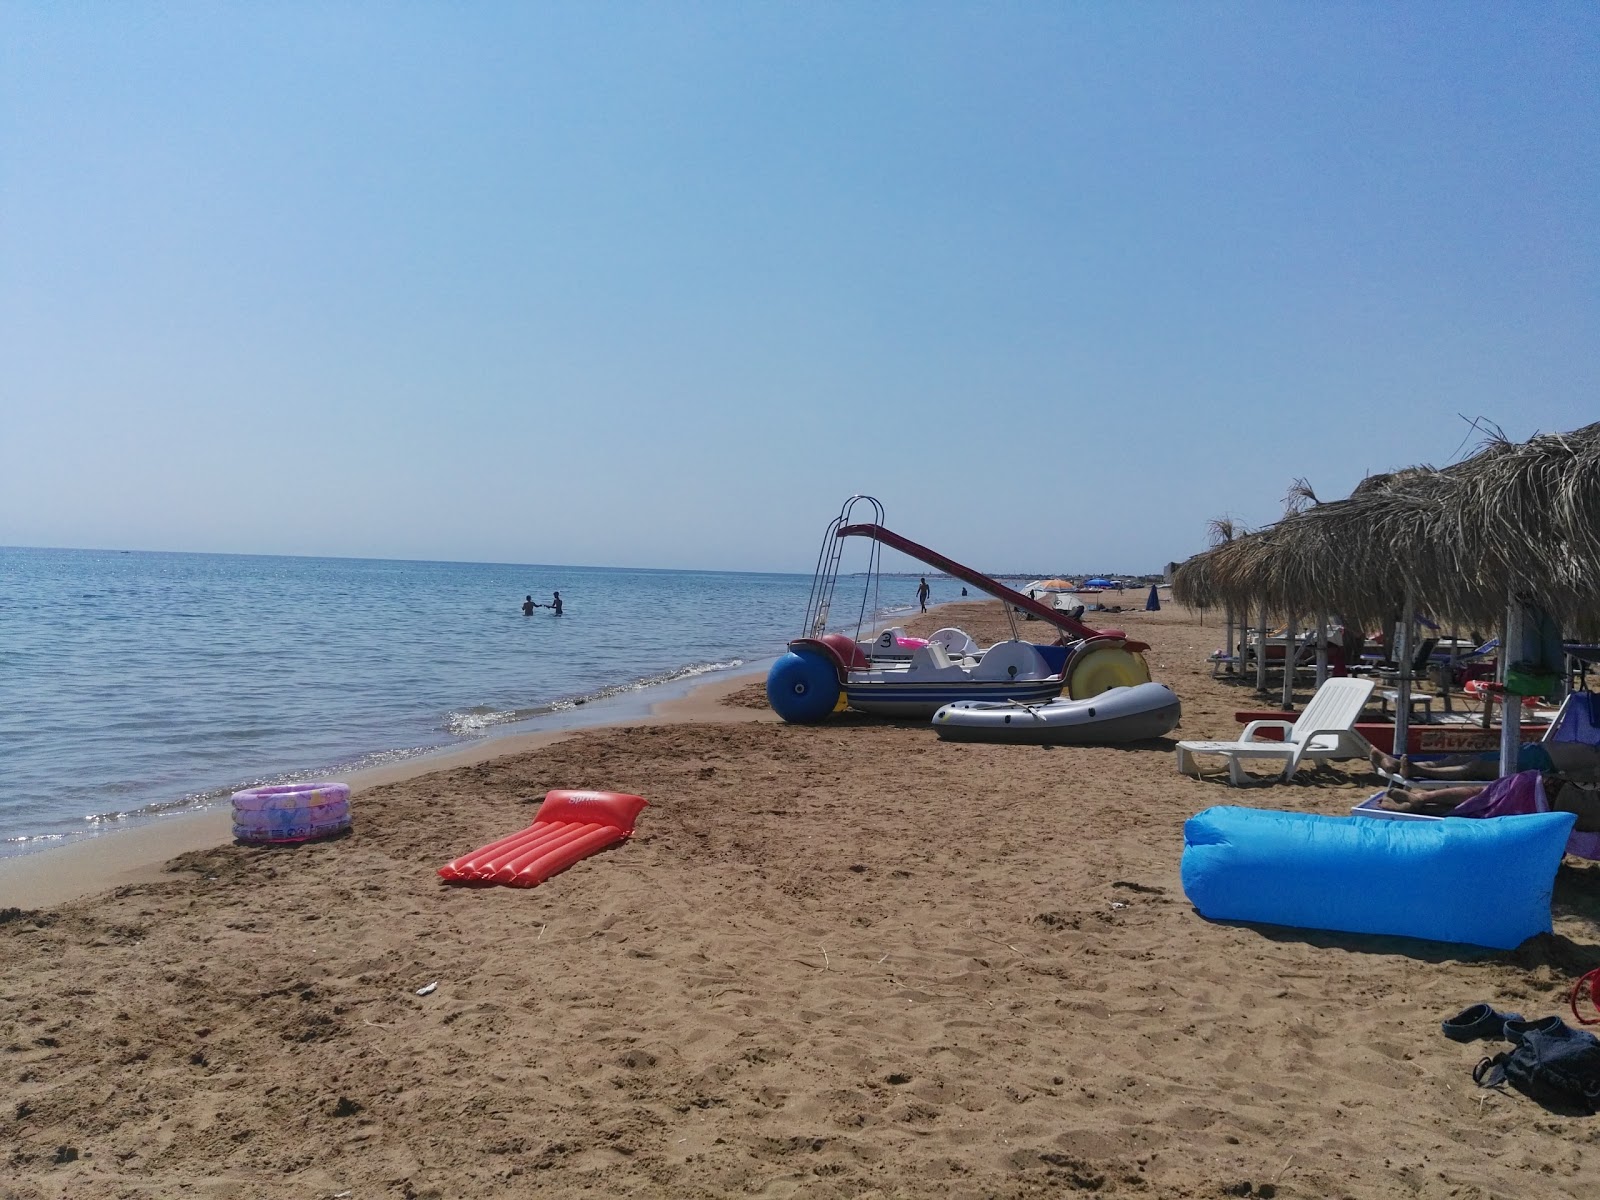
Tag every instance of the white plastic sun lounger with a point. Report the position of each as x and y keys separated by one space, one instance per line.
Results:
x=1326 y=729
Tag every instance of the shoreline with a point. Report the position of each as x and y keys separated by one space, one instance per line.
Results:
x=120 y=858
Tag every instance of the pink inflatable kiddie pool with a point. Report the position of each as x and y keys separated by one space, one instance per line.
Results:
x=291 y=812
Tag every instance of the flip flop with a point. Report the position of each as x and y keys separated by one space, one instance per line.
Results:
x=1478 y=1021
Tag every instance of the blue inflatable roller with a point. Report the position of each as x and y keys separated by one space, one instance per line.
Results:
x=1486 y=882
x=803 y=686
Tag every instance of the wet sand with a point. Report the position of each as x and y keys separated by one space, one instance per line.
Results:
x=847 y=960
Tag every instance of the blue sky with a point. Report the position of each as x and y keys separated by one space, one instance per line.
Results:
x=661 y=284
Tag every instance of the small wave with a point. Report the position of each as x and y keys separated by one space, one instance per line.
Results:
x=197 y=801
x=474 y=722
x=34 y=839
x=479 y=720
x=190 y=802
x=649 y=681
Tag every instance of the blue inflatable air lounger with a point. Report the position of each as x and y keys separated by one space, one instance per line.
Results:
x=1486 y=882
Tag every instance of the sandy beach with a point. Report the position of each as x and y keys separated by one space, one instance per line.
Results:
x=847 y=960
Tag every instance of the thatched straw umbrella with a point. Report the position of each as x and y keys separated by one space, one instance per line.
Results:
x=1194 y=584
x=1518 y=518
x=1222 y=575
x=1530 y=513
x=1229 y=576
x=1514 y=520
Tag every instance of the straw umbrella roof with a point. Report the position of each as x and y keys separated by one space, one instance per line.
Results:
x=1535 y=505
x=1225 y=575
x=1522 y=516
x=1192 y=583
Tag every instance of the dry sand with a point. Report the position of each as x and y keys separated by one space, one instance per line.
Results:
x=838 y=961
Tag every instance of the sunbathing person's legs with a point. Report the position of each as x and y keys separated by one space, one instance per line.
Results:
x=1439 y=802
x=1569 y=758
x=1464 y=769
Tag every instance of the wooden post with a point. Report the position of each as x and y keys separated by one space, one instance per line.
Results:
x=1510 y=706
x=1229 y=643
x=1450 y=671
x=1402 y=654
x=1322 y=646
x=1261 y=650
x=1291 y=650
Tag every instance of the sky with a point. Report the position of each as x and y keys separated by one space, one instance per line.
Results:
x=660 y=285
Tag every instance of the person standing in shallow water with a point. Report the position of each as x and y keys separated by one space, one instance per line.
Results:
x=922 y=593
x=556 y=604
x=528 y=606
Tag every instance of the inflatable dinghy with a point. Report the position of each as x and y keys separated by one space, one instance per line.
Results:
x=1120 y=714
x=570 y=826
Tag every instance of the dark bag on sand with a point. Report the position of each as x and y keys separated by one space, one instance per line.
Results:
x=1552 y=1064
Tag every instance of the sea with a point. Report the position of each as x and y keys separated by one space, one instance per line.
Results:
x=137 y=685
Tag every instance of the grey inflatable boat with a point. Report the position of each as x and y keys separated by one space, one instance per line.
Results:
x=1117 y=715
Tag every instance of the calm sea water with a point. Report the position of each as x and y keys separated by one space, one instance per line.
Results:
x=135 y=684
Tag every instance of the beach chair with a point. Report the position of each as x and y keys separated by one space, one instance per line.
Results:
x=1326 y=729
x=1474 y=664
x=1388 y=669
x=1577 y=720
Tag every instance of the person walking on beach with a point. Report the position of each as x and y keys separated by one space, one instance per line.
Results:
x=528 y=606
x=556 y=604
x=922 y=594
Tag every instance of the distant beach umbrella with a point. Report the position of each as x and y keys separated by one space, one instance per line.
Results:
x=1152 y=602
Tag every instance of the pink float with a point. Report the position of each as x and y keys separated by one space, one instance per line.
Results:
x=570 y=825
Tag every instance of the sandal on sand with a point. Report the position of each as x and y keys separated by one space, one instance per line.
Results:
x=1516 y=1027
x=1479 y=1021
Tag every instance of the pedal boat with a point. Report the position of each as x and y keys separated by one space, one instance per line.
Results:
x=825 y=671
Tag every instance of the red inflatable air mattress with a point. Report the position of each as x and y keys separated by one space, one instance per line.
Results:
x=569 y=826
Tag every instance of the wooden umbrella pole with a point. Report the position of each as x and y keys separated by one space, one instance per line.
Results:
x=1510 y=706
x=1450 y=671
x=1402 y=654
x=1229 y=643
x=1291 y=651
x=1322 y=646
x=1261 y=649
